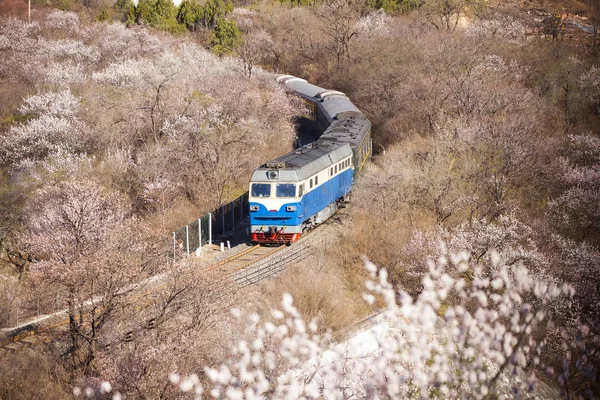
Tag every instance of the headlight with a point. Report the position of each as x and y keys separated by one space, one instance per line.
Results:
x=290 y=208
x=253 y=208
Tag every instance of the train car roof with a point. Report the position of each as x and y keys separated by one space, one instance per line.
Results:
x=351 y=130
x=304 y=162
x=300 y=86
x=335 y=105
x=331 y=102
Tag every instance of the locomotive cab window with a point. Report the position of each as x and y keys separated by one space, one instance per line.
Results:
x=316 y=180
x=261 y=190
x=335 y=169
x=300 y=190
x=286 y=190
x=311 y=183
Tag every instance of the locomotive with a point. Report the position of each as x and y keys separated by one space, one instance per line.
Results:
x=299 y=190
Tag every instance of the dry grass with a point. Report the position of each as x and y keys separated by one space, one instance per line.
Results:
x=321 y=292
x=175 y=217
x=31 y=375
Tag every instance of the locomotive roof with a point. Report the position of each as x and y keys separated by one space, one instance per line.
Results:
x=304 y=162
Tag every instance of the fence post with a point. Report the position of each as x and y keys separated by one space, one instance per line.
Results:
x=174 y=247
x=200 y=233
x=187 y=240
x=209 y=228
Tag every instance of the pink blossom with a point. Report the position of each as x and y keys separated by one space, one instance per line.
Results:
x=68 y=21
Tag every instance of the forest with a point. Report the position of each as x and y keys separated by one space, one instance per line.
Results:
x=474 y=231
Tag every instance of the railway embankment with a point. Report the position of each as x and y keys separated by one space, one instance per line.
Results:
x=239 y=266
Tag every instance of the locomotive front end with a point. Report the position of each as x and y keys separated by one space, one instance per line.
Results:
x=276 y=212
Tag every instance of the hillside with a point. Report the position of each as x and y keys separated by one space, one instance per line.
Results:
x=122 y=122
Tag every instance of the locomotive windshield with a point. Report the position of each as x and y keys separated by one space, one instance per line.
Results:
x=286 y=190
x=261 y=190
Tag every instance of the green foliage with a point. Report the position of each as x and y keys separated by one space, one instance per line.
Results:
x=405 y=6
x=163 y=14
x=391 y=6
x=126 y=11
x=15 y=119
x=299 y=3
x=165 y=9
x=65 y=5
x=160 y=14
x=145 y=13
x=213 y=11
x=226 y=37
x=123 y=5
x=200 y=97
x=189 y=12
x=104 y=15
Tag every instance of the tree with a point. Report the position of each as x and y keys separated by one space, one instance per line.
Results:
x=189 y=13
x=126 y=11
x=145 y=12
x=255 y=46
x=226 y=37
x=51 y=126
x=178 y=324
x=216 y=148
x=84 y=246
x=565 y=77
x=160 y=14
x=179 y=116
x=459 y=338
x=574 y=210
x=213 y=11
x=590 y=87
x=340 y=25
x=509 y=239
x=446 y=14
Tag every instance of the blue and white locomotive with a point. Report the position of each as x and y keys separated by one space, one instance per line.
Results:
x=303 y=188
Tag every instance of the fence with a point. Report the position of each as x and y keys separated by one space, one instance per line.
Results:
x=208 y=227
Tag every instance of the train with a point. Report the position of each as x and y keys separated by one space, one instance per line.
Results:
x=299 y=190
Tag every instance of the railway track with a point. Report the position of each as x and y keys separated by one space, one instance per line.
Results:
x=245 y=268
